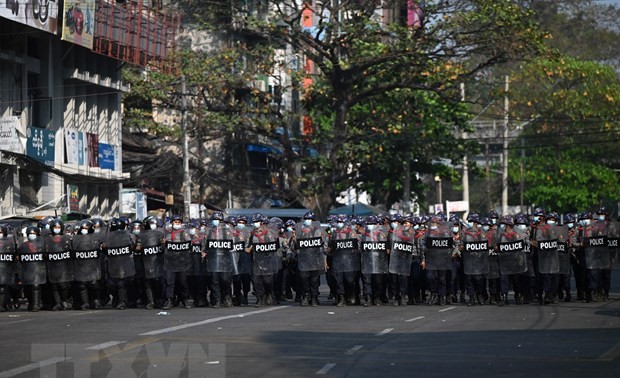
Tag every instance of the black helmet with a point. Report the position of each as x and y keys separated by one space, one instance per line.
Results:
x=33 y=230
x=473 y=217
x=371 y=219
x=232 y=220
x=150 y=220
x=601 y=211
x=539 y=212
x=217 y=216
x=258 y=217
x=176 y=217
x=242 y=219
x=290 y=223
x=569 y=218
x=553 y=215
x=493 y=214
x=309 y=215
x=86 y=224
x=57 y=223
x=507 y=219
x=521 y=219
x=585 y=215
x=135 y=225
x=117 y=224
x=45 y=222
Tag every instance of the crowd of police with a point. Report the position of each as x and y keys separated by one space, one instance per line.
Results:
x=367 y=261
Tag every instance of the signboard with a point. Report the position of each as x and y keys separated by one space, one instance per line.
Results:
x=9 y=141
x=92 y=146
x=78 y=22
x=42 y=14
x=456 y=206
x=73 y=198
x=71 y=146
x=41 y=145
x=106 y=156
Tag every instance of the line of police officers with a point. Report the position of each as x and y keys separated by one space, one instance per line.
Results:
x=367 y=261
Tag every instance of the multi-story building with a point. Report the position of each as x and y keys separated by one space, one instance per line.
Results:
x=60 y=99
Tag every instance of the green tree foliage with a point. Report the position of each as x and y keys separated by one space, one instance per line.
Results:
x=571 y=145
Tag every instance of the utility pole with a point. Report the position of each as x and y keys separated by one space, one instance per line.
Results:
x=187 y=193
x=465 y=168
x=505 y=150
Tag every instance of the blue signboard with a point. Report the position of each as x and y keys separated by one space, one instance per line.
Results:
x=106 y=156
x=41 y=145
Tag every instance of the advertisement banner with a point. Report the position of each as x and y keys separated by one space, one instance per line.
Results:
x=9 y=141
x=92 y=143
x=71 y=146
x=40 y=14
x=73 y=198
x=106 y=156
x=41 y=145
x=82 y=149
x=78 y=22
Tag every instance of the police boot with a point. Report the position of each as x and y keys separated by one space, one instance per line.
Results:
x=35 y=298
x=304 y=301
x=431 y=299
x=167 y=305
x=215 y=302
x=472 y=301
x=478 y=300
x=269 y=299
x=341 y=301
x=492 y=299
x=567 y=297
x=606 y=296
x=366 y=300
x=505 y=299
x=84 y=298
x=260 y=301
x=121 y=304
x=462 y=298
x=442 y=300
x=315 y=301
x=185 y=303
x=3 y=296
x=64 y=297
x=518 y=299
x=150 y=300
x=57 y=302
x=228 y=301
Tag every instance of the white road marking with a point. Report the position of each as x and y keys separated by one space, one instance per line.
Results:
x=325 y=369
x=15 y=321
x=387 y=330
x=611 y=354
x=212 y=320
x=33 y=366
x=414 y=319
x=105 y=345
x=354 y=349
x=447 y=309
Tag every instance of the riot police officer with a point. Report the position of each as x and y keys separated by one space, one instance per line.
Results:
x=263 y=244
x=309 y=246
x=33 y=270
x=119 y=246
x=218 y=252
x=177 y=248
x=86 y=247
x=8 y=265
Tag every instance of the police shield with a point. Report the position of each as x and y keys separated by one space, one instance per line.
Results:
x=309 y=241
x=265 y=245
x=241 y=261
x=176 y=255
x=374 y=251
x=595 y=246
x=197 y=264
x=8 y=261
x=511 y=245
x=218 y=246
x=402 y=250
x=613 y=234
x=87 y=257
x=547 y=251
x=438 y=246
x=150 y=258
x=344 y=247
x=32 y=266
x=59 y=258
x=119 y=254
x=475 y=252
x=563 y=255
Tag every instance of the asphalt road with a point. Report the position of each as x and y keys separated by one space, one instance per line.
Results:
x=563 y=340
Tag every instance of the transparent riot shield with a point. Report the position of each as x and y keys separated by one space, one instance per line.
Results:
x=8 y=261
x=59 y=259
x=475 y=252
x=242 y=261
x=265 y=244
x=152 y=254
x=176 y=255
x=32 y=264
x=197 y=264
x=438 y=245
x=87 y=257
x=613 y=234
x=374 y=250
x=344 y=246
x=119 y=254
x=511 y=247
x=547 y=251
x=563 y=254
x=218 y=246
x=309 y=246
x=595 y=246
x=401 y=250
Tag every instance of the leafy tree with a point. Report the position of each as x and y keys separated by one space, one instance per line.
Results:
x=570 y=161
